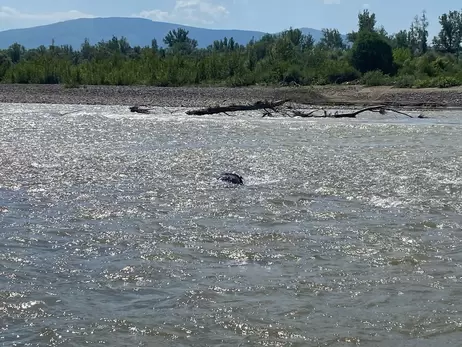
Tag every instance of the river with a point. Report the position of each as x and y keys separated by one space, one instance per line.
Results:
x=114 y=230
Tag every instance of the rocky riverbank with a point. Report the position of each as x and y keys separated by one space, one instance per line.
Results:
x=210 y=96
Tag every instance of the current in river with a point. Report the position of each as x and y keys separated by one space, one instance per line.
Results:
x=114 y=230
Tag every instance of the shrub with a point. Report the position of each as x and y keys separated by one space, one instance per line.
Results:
x=293 y=75
x=438 y=82
x=375 y=78
x=241 y=81
x=347 y=75
x=423 y=83
x=446 y=82
x=401 y=55
x=405 y=81
x=337 y=71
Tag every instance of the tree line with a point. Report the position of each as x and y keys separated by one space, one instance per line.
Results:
x=368 y=56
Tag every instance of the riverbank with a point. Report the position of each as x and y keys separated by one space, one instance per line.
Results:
x=209 y=96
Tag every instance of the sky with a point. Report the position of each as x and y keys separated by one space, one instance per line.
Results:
x=262 y=15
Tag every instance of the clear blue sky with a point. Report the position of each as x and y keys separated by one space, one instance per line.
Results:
x=263 y=15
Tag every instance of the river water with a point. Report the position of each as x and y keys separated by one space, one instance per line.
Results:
x=114 y=230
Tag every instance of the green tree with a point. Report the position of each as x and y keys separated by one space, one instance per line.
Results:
x=284 y=49
x=366 y=22
x=15 y=52
x=179 y=42
x=224 y=45
x=418 y=35
x=370 y=52
x=299 y=39
x=449 y=38
x=401 y=39
x=288 y=57
x=154 y=46
x=307 y=42
x=5 y=64
x=423 y=33
x=331 y=39
x=87 y=50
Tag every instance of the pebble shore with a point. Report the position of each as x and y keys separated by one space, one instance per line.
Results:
x=211 y=96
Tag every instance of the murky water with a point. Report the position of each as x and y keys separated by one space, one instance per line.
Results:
x=114 y=230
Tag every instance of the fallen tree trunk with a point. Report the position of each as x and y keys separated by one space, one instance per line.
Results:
x=382 y=109
x=259 y=105
x=276 y=107
x=399 y=112
x=305 y=115
x=388 y=103
x=312 y=114
x=355 y=113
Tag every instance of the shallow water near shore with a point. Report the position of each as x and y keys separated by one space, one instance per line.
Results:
x=114 y=230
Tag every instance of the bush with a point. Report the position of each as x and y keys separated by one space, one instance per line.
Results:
x=441 y=64
x=423 y=83
x=337 y=71
x=438 y=82
x=293 y=75
x=348 y=75
x=447 y=82
x=405 y=81
x=375 y=78
x=401 y=55
x=241 y=81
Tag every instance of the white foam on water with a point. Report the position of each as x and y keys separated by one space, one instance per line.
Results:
x=261 y=180
x=388 y=202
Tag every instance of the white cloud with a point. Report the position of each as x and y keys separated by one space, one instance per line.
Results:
x=13 y=14
x=16 y=19
x=189 y=12
x=155 y=15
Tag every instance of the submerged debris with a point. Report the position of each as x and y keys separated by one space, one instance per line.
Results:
x=259 y=105
x=140 y=109
x=231 y=178
x=279 y=107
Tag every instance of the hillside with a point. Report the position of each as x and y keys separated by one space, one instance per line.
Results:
x=138 y=31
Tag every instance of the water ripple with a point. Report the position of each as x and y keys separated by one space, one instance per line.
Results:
x=115 y=231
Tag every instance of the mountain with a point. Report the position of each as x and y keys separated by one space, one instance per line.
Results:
x=138 y=31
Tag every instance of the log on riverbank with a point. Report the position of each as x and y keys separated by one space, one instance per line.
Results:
x=279 y=107
x=259 y=105
x=382 y=109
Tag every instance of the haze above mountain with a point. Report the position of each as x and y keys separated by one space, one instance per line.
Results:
x=138 y=31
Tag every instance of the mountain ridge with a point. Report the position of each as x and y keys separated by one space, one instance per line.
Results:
x=138 y=32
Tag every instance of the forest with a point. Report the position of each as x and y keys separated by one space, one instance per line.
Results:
x=369 y=56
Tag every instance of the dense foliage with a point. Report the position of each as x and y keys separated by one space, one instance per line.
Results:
x=369 y=56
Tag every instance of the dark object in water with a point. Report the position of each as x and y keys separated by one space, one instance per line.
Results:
x=231 y=178
x=139 y=109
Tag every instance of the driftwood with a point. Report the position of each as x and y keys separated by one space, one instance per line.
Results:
x=279 y=107
x=381 y=109
x=259 y=105
x=355 y=113
x=272 y=107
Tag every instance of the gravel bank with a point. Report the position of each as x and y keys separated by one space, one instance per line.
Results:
x=209 y=96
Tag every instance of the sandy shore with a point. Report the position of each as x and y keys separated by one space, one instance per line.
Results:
x=209 y=96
